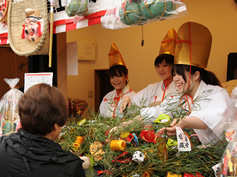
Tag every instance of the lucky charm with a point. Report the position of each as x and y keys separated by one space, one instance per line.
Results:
x=33 y=27
x=138 y=156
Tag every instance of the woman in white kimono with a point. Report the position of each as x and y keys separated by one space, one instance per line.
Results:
x=208 y=106
x=118 y=71
x=155 y=93
x=200 y=103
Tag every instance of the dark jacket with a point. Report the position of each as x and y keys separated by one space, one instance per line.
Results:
x=25 y=155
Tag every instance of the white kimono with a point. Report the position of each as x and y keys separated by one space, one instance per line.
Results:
x=153 y=92
x=211 y=104
x=107 y=106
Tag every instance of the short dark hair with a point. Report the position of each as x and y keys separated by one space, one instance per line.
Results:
x=118 y=69
x=169 y=59
x=207 y=76
x=40 y=108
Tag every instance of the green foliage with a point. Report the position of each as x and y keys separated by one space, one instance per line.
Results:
x=200 y=159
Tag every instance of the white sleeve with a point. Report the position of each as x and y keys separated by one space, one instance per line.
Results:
x=144 y=96
x=215 y=111
x=103 y=108
x=150 y=113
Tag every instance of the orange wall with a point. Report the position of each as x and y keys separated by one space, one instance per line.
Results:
x=218 y=15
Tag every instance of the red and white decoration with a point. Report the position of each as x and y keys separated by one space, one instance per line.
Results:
x=63 y=23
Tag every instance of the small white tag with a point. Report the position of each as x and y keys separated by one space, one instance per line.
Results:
x=217 y=168
x=183 y=141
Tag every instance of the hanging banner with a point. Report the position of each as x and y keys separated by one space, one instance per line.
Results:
x=62 y=22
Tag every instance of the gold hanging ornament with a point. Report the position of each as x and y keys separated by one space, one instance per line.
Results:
x=117 y=145
x=79 y=140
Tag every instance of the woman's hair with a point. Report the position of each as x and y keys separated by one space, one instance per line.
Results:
x=169 y=59
x=118 y=70
x=40 y=108
x=207 y=76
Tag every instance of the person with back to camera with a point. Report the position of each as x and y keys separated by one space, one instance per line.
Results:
x=118 y=71
x=32 y=152
x=155 y=93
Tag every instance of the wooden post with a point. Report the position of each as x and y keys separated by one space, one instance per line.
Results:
x=62 y=62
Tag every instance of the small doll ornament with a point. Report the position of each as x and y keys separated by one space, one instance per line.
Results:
x=33 y=27
x=138 y=156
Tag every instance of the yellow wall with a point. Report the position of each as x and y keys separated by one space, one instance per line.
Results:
x=218 y=15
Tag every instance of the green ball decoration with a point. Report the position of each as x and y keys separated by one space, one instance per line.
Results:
x=76 y=7
x=131 y=15
x=169 y=8
x=156 y=9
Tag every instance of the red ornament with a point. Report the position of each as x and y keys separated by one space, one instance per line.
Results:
x=148 y=136
x=190 y=175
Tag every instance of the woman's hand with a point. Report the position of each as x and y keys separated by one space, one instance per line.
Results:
x=170 y=130
x=126 y=102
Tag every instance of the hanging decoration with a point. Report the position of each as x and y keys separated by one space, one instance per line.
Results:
x=130 y=13
x=151 y=9
x=76 y=7
x=28 y=29
x=125 y=13
x=32 y=29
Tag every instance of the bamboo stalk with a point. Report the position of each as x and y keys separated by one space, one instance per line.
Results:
x=51 y=32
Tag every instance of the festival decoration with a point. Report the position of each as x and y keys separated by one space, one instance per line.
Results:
x=9 y=117
x=171 y=144
x=130 y=13
x=191 y=175
x=96 y=150
x=76 y=7
x=76 y=107
x=126 y=13
x=138 y=156
x=28 y=28
x=173 y=175
x=117 y=145
x=158 y=158
x=33 y=27
x=148 y=136
x=146 y=174
x=228 y=162
x=163 y=119
x=151 y=9
x=78 y=142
